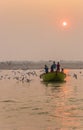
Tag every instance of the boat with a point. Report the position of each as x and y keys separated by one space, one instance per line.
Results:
x=53 y=77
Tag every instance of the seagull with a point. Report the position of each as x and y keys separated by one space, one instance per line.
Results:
x=75 y=76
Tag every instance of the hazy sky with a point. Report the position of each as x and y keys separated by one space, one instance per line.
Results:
x=33 y=30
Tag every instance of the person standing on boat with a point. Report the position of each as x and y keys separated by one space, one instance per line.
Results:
x=46 y=69
x=53 y=66
x=58 y=66
x=52 y=69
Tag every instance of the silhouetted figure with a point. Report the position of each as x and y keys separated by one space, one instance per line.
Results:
x=52 y=69
x=62 y=70
x=53 y=66
x=58 y=66
x=46 y=69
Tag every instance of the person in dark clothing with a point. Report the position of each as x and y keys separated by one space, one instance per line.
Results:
x=52 y=69
x=46 y=69
x=58 y=66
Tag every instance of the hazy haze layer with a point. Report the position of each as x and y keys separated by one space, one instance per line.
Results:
x=31 y=30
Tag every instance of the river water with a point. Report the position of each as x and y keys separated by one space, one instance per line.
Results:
x=36 y=105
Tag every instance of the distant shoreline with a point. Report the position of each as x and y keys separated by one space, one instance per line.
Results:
x=24 y=65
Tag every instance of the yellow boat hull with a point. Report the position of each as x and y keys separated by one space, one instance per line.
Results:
x=53 y=77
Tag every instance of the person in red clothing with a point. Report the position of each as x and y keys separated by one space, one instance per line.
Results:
x=58 y=66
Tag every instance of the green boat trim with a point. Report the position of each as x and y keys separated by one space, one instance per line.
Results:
x=53 y=77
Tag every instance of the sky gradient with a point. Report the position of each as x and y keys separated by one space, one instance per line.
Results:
x=32 y=30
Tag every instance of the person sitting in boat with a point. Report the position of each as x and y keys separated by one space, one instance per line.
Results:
x=58 y=66
x=46 y=69
x=62 y=70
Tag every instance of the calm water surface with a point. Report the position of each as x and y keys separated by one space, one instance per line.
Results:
x=36 y=105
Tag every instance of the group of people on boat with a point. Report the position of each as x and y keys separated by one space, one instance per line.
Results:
x=54 y=67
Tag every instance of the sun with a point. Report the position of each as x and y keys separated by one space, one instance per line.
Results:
x=64 y=24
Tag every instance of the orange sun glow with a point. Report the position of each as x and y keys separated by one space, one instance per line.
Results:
x=64 y=24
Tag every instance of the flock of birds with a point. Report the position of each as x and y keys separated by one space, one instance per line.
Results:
x=24 y=76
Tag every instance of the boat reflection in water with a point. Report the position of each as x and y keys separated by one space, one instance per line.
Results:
x=64 y=104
